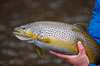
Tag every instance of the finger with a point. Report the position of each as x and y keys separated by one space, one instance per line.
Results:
x=61 y=55
x=81 y=48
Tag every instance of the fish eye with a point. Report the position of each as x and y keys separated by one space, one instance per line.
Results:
x=24 y=27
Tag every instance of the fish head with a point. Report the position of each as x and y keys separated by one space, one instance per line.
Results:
x=25 y=32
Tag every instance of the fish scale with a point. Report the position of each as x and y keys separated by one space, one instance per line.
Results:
x=58 y=32
x=61 y=37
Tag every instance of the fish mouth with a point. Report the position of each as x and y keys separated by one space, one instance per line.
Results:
x=20 y=34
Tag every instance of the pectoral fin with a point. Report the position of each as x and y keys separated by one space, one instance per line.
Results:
x=40 y=51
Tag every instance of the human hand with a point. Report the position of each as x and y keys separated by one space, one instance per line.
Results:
x=76 y=60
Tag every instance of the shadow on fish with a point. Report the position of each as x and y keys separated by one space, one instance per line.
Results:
x=58 y=37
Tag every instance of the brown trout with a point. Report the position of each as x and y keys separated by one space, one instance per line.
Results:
x=58 y=37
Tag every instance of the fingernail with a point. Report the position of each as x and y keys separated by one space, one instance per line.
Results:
x=79 y=42
x=80 y=46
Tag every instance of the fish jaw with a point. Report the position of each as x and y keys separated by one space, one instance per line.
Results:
x=20 y=34
x=24 y=34
x=22 y=38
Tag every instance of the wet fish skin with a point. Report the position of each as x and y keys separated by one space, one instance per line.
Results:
x=63 y=38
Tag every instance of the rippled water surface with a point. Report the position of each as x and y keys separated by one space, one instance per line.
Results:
x=13 y=13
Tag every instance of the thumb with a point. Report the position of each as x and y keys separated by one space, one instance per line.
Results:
x=81 y=48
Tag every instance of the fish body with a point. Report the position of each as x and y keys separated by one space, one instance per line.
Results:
x=59 y=37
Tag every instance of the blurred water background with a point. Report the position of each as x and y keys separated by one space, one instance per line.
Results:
x=13 y=13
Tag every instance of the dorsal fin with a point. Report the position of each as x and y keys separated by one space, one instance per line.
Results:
x=82 y=26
